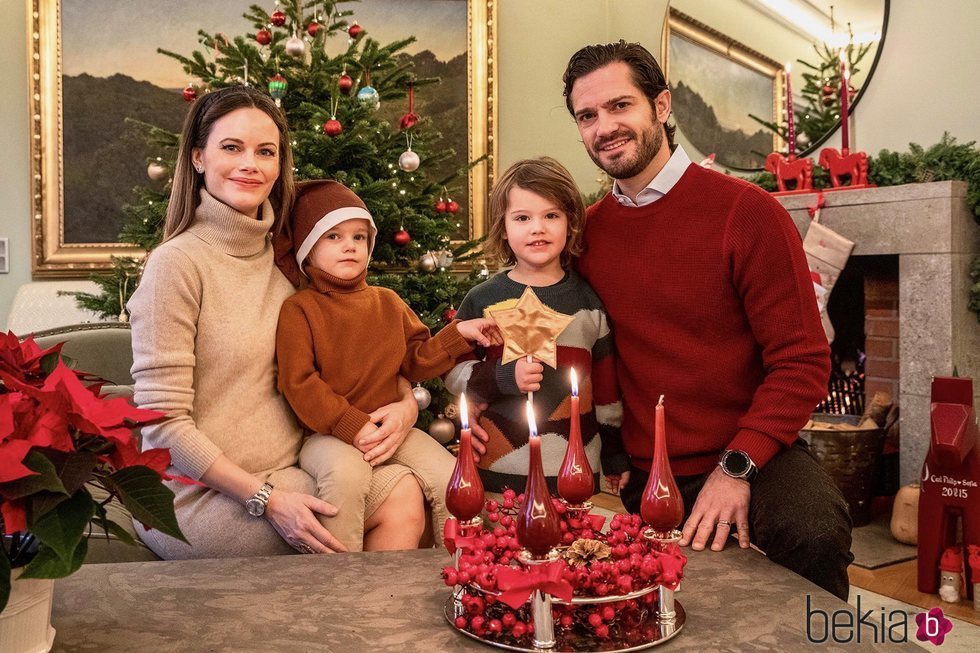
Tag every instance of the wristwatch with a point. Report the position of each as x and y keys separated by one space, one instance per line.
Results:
x=255 y=505
x=737 y=464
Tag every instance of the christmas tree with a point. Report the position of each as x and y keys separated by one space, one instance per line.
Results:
x=819 y=111
x=399 y=167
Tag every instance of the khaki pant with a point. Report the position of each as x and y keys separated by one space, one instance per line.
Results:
x=340 y=469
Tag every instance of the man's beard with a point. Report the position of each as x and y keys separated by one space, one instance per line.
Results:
x=648 y=144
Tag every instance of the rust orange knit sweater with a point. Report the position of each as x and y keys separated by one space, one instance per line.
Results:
x=341 y=346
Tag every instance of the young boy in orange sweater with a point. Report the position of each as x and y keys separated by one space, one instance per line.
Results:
x=341 y=347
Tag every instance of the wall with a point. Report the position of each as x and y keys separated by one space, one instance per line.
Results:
x=535 y=40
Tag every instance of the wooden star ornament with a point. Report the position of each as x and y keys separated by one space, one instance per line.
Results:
x=530 y=328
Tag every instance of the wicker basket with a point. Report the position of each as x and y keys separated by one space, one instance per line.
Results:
x=851 y=458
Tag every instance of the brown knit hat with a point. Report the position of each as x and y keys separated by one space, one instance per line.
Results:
x=320 y=206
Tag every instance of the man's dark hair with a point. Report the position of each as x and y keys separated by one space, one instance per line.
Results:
x=647 y=74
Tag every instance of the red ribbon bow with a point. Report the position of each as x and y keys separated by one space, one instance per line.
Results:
x=453 y=539
x=813 y=210
x=516 y=584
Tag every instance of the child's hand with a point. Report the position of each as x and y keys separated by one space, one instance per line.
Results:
x=618 y=481
x=361 y=441
x=482 y=331
x=528 y=375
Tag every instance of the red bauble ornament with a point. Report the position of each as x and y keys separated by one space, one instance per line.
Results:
x=449 y=314
x=828 y=100
x=263 y=36
x=333 y=128
x=402 y=237
x=452 y=206
x=313 y=28
x=190 y=93
x=278 y=18
x=408 y=120
x=355 y=30
x=440 y=206
x=828 y=89
x=345 y=83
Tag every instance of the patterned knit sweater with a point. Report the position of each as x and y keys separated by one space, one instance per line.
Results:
x=586 y=345
x=712 y=305
x=341 y=345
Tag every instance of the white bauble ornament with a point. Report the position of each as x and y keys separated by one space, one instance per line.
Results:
x=422 y=397
x=369 y=96
x=295 y=46
x=429 y=262
x=157 y=171
x=409 y=161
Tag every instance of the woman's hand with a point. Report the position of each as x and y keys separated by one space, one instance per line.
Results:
x=482 y=331
x=293 y=516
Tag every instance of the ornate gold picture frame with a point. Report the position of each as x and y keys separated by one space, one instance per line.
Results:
x=55 y=256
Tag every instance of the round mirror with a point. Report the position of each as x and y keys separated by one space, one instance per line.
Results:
x=726 y=66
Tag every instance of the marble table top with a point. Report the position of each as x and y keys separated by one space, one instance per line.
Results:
x=736 y=600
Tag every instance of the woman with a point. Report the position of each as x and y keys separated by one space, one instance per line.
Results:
x=204 y=325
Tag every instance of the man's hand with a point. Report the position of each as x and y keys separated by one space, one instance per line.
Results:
x=722 y=503
x=618 y=481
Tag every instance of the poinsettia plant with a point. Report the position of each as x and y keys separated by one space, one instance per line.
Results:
x=60 y=440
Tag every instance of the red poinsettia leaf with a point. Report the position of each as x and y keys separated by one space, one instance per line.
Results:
x=12 y=452
x=159 y=461
x=51 y=429
x=14 y=516
x=6 y=416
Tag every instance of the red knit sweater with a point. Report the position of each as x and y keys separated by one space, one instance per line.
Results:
x=711 y=304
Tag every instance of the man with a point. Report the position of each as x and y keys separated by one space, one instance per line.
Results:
x=707 y=288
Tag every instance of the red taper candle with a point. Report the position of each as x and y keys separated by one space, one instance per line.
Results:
x=464 y=494
x=538 y=526
x=576 y=483
x=662 y=506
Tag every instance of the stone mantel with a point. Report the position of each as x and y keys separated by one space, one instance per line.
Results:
x=931 y=229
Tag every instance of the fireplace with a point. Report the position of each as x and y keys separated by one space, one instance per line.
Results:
x=927 y=233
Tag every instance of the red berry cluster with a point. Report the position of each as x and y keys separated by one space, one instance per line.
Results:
x=631 y=563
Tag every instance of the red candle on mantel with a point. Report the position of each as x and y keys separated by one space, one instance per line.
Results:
x=538 y=527
x=576 y=484
x=845 y=79
x=662 y=506
x=790 y=119
x=464 y=494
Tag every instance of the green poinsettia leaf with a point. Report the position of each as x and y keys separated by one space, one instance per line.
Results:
x=49 y=563
x=74 y=467
x=46 y=478
x=109 y=527
x=49 y=362
x=4 y=579
x=147 y=498
x=63 y=527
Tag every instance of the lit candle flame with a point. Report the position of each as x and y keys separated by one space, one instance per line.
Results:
x=531 y=426
x=787 y=68
x=661 y=402
x=574 y=383
x=464 y=413
x=844 y=66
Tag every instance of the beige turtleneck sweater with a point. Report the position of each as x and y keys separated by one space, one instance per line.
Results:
x=204 y=339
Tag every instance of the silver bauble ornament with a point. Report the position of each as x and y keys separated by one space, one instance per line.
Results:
x=295 y=47
x=409 y=161
x=429 y=262
x=157 y=171
x=442 y=430
x=369 y=96
x=422 y=397
x=802 y=141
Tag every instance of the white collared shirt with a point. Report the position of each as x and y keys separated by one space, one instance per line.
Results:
x=659 y=185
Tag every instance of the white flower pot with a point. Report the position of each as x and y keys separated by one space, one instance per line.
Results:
x=25 y=624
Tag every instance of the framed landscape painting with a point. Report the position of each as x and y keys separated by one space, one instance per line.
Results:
x=95 y=68
x=715 y=83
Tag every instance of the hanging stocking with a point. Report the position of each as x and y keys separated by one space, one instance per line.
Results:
x=826 y=254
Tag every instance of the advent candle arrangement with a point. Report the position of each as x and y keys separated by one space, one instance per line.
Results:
x=845 y=78
x=662 y=506
x=790 y=119
x=538 y=525
x=464 y=494
x=576 y=483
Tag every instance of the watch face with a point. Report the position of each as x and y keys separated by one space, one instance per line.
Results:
x=736 y=463
x=255 y=507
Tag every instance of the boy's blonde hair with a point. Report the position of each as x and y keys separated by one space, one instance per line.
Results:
x=546 y=177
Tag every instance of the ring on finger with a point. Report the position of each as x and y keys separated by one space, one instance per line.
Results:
x=305 y=548
x=724 y=522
